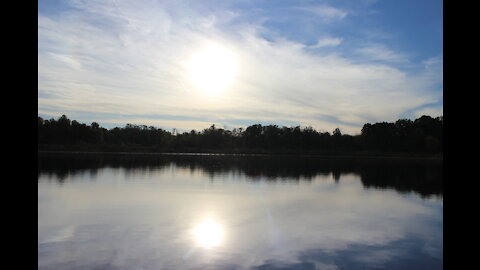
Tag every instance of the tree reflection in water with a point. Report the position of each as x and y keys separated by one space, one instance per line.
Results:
x=420 y=176
x=198 y=212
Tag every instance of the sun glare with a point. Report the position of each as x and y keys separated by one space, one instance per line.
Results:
x=212 y=69
x=208 y=234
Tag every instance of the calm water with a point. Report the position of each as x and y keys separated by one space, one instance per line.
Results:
x=217 y=212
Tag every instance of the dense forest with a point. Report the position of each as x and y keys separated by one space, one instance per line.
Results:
x=420 y=136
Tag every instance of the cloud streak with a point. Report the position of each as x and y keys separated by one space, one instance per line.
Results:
x=382 y=53
x=326 y=12
x=327 y=42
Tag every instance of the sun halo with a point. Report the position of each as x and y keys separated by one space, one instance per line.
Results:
x=212 y=69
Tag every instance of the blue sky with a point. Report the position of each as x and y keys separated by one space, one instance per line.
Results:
x=189 y=64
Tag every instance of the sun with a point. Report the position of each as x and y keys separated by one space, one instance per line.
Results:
x=212 y=69
x=208 y=234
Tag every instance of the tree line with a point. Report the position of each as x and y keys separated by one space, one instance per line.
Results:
x=422 y=135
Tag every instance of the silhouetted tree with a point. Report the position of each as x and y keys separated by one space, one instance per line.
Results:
x=423 y=135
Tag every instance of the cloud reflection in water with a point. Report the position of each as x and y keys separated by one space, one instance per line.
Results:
x=288 y=217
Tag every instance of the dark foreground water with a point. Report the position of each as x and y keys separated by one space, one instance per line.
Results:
x=224 y=212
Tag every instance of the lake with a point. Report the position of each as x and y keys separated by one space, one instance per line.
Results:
x=238 y=212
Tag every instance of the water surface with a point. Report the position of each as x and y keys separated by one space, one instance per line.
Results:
x=231 y=212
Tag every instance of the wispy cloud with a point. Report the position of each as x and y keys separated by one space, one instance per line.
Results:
x=381 y=52
x=434 y=65
x=126 y=58
x=327 y=42
x=326 y=12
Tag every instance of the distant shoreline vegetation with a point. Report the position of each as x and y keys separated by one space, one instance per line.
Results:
x=420 y=137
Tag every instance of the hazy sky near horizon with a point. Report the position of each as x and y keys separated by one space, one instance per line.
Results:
x=188 y=64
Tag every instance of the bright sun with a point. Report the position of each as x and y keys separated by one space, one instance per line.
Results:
x=208 y=234
x=212 y=69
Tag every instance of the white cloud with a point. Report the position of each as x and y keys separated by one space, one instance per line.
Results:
x=382 y=53
x=130 y=59
x=327 y=12
x=327 y=42
x=434 y=65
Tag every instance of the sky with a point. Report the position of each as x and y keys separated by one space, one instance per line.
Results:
x=188 y=64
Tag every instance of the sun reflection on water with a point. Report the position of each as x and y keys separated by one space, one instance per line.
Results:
x=208 y=234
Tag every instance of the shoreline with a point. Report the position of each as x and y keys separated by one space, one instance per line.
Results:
x=339 y=155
